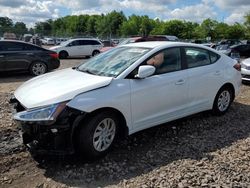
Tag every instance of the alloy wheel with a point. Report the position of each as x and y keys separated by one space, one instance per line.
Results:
x=104 y=134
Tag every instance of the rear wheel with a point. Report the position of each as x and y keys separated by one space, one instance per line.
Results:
x=63 y=55
x=38 y=68
x=222 y=101
x=96 y=137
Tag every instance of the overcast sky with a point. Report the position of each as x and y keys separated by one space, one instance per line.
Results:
x=31 y=11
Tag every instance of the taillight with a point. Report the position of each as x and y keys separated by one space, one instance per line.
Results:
x=237 y=66
x=54 y=55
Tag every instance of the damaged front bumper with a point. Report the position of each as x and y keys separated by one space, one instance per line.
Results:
x=47 y=139
x=51 y=137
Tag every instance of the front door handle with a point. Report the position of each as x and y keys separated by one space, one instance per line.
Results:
x=180 y=82
x=1 y=55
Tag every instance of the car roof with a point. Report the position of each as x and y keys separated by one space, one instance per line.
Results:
x=154 y=44
x=84 y=39
x=19 y=41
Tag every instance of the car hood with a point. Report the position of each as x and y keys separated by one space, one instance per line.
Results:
x=246 y=61
x=57 y=87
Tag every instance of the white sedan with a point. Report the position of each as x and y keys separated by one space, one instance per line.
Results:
x=123 y=91
x=245 y=70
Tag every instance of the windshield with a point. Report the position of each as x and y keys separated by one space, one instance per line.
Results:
x=113 y=62
x=64 y=43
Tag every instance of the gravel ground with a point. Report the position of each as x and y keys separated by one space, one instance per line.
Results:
x=198 y=151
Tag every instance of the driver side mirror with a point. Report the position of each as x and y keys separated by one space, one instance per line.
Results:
x=145 y=71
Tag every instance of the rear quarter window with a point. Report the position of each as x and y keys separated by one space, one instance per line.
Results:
x=13 y=46
x=214 y=57
x=196 y=57
x=94 y=42
x=32 y=48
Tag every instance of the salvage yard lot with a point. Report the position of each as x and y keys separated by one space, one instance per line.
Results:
x=199 y=151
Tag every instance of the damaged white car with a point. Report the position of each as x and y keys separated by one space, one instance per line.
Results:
x=120 y=92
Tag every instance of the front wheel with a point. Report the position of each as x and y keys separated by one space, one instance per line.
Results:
x=222 y=101
x=96 y=137
x=63 y=55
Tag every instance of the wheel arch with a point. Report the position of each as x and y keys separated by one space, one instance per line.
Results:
x=84 y=117
x=229 y=86
x=96 y=50
x=63 y=51
x=226 y=86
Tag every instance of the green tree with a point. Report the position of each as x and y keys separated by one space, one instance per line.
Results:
x=158 y=27
x=175 y=27
x=20 y=28
x=109 y=25
x=208 y=28
x=6 y=25
x=221 y=30
x=134 y=26
x=44 y=28
x=146 y=26
x=91 y=25
x=247 y=24
x=59 y=27
x=236 y=31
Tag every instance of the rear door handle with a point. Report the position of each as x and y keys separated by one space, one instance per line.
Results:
x=180 y=82
x=1 y=55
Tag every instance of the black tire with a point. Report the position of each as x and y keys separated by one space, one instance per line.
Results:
x=63 y=55
x=38 y=68
x=222 y=101
x=96 y=52
x=87 y=141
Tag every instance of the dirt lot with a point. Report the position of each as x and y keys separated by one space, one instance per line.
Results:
x=199 y=151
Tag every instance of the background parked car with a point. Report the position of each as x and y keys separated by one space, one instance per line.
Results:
x=60 y=40
x=223 y=48
x=49 y=41
x=242 y=49
x=138 y=39
x=78 y=47
x=245 y=70
x=22 y=56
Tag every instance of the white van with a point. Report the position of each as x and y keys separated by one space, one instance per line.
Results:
x=78 y=47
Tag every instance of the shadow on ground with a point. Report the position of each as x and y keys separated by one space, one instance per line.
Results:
x=190 y=138
x=9 y=77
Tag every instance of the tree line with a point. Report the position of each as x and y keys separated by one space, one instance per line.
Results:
x=116 y=24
